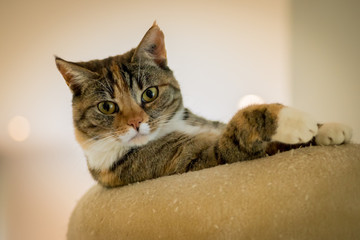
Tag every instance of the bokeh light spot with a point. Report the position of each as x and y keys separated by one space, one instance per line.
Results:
x=19 y=128
x=249 y=100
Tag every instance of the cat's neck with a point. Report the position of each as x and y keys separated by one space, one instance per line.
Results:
x=102 y=154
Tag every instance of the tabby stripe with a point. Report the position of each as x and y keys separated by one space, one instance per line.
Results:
x=165 y=106
x=82 y=117
x=217 y=155
x=186 y=114
x=105 y=83
x=170 y=117
x=109 y=75
x=139 y=83
x=171 y=103
x=118 y=86
x=131 y=83
x=123 y=159
x=125 y=71
x=192 y=164
x=235 y=141
x=171 y=145
x=83 y=131
x=173 y=113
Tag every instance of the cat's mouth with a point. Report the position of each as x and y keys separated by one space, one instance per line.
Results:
x=137 y=137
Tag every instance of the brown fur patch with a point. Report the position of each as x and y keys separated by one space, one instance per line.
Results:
x=248 y=132
x=106 y=178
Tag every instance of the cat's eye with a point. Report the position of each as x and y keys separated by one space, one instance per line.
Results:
x=150 y=94
x=107 y=107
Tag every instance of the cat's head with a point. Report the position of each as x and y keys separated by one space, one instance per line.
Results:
x=126 y=99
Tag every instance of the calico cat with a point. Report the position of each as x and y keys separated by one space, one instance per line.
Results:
x=130 y=120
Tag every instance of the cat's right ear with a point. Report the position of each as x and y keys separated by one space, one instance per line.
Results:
x=74 y=75
x=152 y=47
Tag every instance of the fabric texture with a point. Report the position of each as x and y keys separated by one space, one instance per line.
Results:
x=307 y=193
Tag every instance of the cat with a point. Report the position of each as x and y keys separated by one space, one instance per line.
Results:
x=130 y=120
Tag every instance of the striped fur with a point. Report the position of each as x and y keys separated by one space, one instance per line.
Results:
x=143 y=139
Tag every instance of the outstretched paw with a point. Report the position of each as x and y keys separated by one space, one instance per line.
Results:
x=294 y=127
x=333 y=134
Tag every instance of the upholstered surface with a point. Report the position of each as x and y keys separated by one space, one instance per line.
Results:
x=308 y=193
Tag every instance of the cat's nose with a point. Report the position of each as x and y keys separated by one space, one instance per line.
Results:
x=135 y=122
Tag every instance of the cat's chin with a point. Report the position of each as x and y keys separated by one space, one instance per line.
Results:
x=138 y=140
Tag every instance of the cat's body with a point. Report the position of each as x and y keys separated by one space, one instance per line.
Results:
x=130 y=120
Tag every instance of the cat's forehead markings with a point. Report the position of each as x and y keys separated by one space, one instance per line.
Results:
x=121 y=85
x=112 y=74
x=121 y=89
x=115 y=70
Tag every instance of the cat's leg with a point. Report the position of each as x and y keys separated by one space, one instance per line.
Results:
x=300 y=129
x=268 y=128
x=249 y=132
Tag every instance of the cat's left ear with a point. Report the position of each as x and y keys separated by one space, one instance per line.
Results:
x=152 y=47
x=74 y=74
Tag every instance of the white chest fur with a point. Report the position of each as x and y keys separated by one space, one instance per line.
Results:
x=103 y=153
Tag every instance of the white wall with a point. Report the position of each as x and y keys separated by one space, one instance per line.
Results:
x=219 y=51
x=326 y=60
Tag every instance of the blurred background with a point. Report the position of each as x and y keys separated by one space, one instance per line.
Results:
x=302 y=53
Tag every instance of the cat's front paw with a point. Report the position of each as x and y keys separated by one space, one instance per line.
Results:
x=294 y=127
x=333 y=134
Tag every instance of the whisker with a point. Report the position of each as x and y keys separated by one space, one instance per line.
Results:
x=107 y=87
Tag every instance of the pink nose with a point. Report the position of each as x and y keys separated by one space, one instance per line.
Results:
x=135 y=122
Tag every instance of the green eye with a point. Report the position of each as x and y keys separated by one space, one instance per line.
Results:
x=107 y=107
x=150 y=94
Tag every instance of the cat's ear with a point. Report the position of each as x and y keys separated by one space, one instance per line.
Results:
x=152 y=47
x=74 y=74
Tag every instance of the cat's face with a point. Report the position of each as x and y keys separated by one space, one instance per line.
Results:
x=127 y=98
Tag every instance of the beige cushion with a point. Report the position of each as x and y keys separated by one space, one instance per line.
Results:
x=308 y=193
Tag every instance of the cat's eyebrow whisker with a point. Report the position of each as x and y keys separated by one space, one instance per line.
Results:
x=98 y=81
x=95 y=93
x=106 y=87
x=110 y=88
